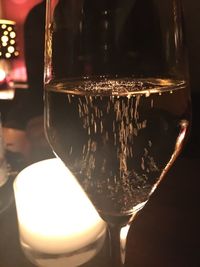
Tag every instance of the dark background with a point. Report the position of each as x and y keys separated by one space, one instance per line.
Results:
x=192 y=28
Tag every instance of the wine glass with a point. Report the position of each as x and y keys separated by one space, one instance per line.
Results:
x=117 y=101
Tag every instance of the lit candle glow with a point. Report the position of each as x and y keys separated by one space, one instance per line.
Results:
x=54 y=214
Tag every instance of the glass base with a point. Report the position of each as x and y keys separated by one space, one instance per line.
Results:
x=72 y=259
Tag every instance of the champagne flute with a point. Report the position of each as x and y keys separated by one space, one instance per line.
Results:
x=117 y=101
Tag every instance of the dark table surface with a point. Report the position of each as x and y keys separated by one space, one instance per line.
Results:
x=164 y=234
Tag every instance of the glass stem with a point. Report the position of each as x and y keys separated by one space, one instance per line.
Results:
x=118 y=237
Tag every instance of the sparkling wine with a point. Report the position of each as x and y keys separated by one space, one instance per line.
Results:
x=118 y=137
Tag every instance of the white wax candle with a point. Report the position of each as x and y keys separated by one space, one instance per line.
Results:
x=54 y=214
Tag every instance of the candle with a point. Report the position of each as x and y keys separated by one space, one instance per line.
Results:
x=54 y=214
